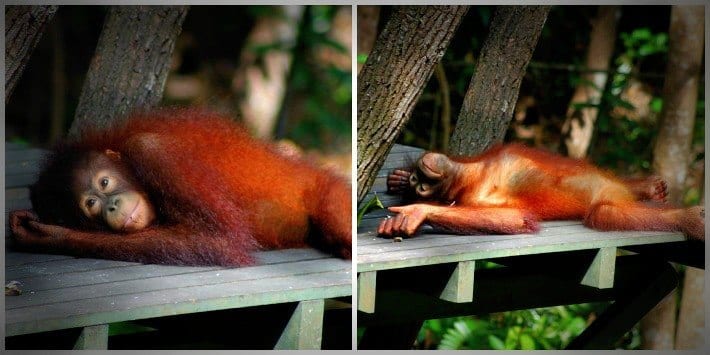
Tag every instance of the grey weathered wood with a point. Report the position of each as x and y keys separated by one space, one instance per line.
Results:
x=459 y=288
x=305 y=327
x=60 y=292
x=94 y=337
x=601 y=272
x=55 y=291
x=366 y=284
x=99 y=309
x=462 y=248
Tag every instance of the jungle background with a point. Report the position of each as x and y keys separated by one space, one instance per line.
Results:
x=557 y=85
x=283 y=70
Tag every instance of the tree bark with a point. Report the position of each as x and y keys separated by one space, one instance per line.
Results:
x=690 y=333
x=579 y=124
x=24 y=26
x=130 y=65
x=396 y=71
x=671 y=152
x=260 y=85
x=368 y=16
x=490 y=99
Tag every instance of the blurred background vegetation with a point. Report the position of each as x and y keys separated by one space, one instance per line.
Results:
x=623 y=137
x=284 y=70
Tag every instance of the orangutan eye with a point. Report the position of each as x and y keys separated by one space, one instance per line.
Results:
x=90 y=202
x=104 y=182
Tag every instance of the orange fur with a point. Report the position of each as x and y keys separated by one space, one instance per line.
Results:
x=508 y=188
x=219 y=194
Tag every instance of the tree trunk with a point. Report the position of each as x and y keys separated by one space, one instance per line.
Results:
x=671 y=153
x=490 y=99
x=130 y=65
x=396 y=71
x=680 y=92
x=691 y=321
x=24 y=26
x=260 y=83
x=579 y=124
x=368 y=16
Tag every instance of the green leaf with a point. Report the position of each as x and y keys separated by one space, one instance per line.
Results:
x=456 y=336
x=361 y=58
x=656 y=104
x=495 y=343
x=527 y=342
x=511 y=339
x=641 y=33
x=372 y=204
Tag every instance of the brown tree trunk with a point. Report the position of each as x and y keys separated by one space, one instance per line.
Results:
x=579 y=124
x=690 y=333
x=24 y=26
x=400 y=64
x=445 y=106
x=368 y=16
x=490 y=99
x=671 y=153
x=260 y=83
x=130 y=65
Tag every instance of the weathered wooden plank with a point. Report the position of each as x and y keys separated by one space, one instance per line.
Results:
x=366 y=286
x=525 y=244
x=9 y=146
x=53 y=290
x=24 y=154
x=93 y=338
x=400 y=148
x=573 y=233
x=305 y=327
x=369 y=240
x=20 y=180
x=459 y=288
x=601 y=272
x=14 y=259
x=139 y=305
x=60 y=266
x=22 y=167
x=25 y=266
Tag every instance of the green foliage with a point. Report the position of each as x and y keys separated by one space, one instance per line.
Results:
x=623 y=143
x=371 y=205
x=325 y=88
x=641 y=42
x=533 y=329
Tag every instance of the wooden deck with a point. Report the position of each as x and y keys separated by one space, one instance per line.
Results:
x=60 y=292
x=592 y=253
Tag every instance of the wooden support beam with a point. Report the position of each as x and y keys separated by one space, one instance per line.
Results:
x=305 y=328
x=459 y=288
x=366 y=283
x=600 y=273
x=657 y=280
x=93 y=337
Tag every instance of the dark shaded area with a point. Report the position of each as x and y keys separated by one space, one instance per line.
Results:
x=246 y=328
